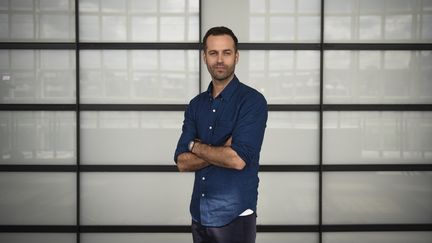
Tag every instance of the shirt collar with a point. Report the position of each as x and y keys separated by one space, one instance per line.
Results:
x=228 y=91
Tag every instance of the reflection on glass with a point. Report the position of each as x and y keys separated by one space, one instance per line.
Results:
x=377 y=137
x=136 y=237
x=276 y=204
x=388 y=77
x=139 y=21
x=33 y=198
x=377 y=197
x=291 y=138
x=37 y=137
x=266 y=20
x=373 y=237
x=377 y=21
x=37 y=76
x=139 y=76
x=46 y=21
x=38 y=237
x=123 y=137
x=133 y=199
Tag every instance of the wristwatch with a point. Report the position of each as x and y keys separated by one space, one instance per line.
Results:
x=191 y=145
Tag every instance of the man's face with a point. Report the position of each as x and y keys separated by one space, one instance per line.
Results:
x=221 y=57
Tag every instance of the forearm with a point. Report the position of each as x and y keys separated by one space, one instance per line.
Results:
x=188 y=162
x=222 y=156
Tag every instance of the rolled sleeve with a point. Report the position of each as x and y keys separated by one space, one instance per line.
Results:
x=188 y=133
x=248 y=134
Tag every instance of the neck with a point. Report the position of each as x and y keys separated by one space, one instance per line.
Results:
x=219 y=85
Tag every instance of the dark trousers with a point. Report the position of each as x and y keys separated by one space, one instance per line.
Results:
x=241 y=230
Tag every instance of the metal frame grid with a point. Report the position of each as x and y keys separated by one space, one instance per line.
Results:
x=321 y=107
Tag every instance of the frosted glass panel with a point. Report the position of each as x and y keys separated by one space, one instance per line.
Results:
x=41 y=21
x=129 y=137
x=377 y=21
x=265 y=20
x=139 y=21
x=29 y=198
x=286 y=237
x=377 y=137
x=283 y=77
x=291 y=138
x=276 y=203
x=37 y=238
x=381 y=237
x=136 y=198
x=37 y=76
x=137 y=238
x=187 y=238
x=37 y=137
x=139 y=76
x=377 y=197
x=378 y=77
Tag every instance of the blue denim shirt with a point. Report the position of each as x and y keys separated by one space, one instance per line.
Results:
x=221 y=194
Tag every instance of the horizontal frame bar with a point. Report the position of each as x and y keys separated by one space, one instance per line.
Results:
x=37 y=107
x=378 y=46
x=198 y=46
x=173 y=168
x=182 y=107
x=186 y=228
x=377 y=107
x=139 y=46
x=132 y=107
x=37 y=45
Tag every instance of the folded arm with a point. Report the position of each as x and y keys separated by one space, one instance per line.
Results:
x=203 y=155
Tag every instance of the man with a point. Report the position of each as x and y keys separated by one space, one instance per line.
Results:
x=221 y=139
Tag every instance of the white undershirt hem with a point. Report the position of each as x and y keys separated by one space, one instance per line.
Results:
x=247 y=212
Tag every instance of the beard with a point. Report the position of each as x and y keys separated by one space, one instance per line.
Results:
x=221 y=72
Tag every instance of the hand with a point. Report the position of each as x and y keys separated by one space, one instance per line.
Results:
x=228 y=142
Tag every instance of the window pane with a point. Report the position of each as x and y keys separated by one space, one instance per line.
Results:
x=377 y=21
x=37 y=237
x=37 y=137
x=377 y=137
x=283 y=77
x=37 y=76
x=139 y=21
x=265 y=20
x=139 y=76
x=381 y=237
x=277 y=205
x=377 y=197
x=31 y=198
x=38 y=21
x=291 y=138
x=129 y=137
x=133 y=198
x=136 y=237
x=378 y=77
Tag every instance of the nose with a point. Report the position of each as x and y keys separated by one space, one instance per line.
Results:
x=220 y=58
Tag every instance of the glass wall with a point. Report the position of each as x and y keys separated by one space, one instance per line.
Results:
x=92 y=95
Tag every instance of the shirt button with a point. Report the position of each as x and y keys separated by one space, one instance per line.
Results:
x=210 y=127
x=214 y=110
x=203 y=178
x=203 y=195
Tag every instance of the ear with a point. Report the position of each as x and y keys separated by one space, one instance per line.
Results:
x=237 y=57
x=204 y=56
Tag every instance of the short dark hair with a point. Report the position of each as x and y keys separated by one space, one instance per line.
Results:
x=220 y=30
